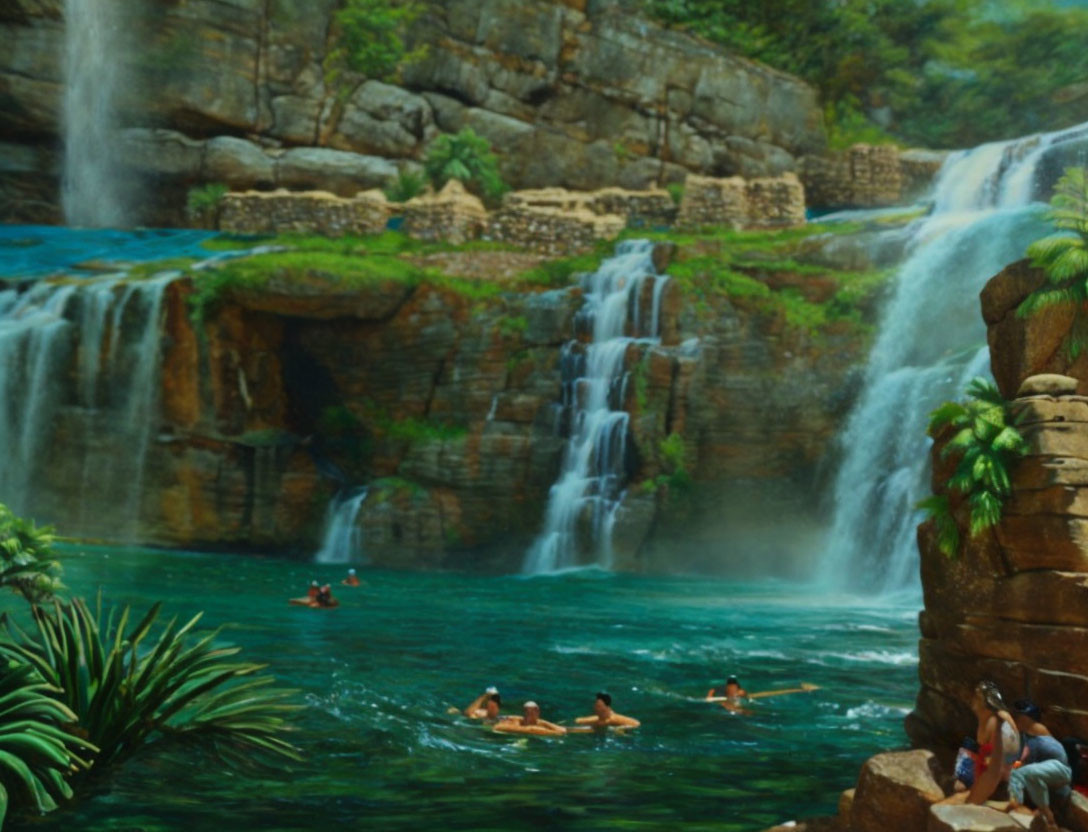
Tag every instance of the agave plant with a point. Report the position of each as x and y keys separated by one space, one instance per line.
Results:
x=127 y=688
x=467 y=157
x=27 y=563
x=987 y=443
x=1064 y=258
x=37 y=748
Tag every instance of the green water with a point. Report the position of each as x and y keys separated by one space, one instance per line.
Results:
x=379 y=673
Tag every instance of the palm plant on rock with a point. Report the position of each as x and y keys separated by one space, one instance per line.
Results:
x=467 y=157
x=984 y=438
x=27 y=563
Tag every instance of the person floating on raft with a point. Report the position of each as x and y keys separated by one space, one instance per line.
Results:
x=316 y=597
x=605 y=717
x=531 y=723
x=731 y=694
x=352 y=579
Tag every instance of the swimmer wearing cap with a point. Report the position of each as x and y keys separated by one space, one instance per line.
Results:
x=485 y=706
x=605 y=717
x=314 y=589
x=531 y=723
x=351 y=580
x=732 y=694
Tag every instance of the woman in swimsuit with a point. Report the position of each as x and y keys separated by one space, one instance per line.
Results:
x=998 y=738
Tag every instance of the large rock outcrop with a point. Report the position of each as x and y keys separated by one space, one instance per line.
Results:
x=577 y=94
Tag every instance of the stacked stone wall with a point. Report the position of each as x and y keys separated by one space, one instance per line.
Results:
x=308 y=212
x=453 y=215
x=868 y=176
x=773 y=202
x=553 y=231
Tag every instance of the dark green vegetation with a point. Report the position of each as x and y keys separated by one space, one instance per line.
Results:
x=368 y=38
x=202 y=204
x=407 y=185
x=1063 y=258
x=467 y=157
x=87 y=691
x=939 y=73
x=983 y=438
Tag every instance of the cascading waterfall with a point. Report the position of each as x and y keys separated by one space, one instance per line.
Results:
x=343 y=539
x=931 y=342
x=91 y=191
x=105 y=333
x=582 y=504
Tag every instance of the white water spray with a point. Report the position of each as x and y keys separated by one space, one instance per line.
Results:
x=931 y=342
x=583 y=502
x=343 y=540
x=91 y=190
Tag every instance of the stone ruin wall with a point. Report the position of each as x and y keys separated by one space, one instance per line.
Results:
x=869 y=176
x=772 y=202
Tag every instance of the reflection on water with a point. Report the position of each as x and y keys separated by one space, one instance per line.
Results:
x=380 y=672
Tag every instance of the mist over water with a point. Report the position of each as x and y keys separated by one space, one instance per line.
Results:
x=931 y=343
x=92 y=190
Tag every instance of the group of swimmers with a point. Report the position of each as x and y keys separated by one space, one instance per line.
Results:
x=1013 y=746
x=487 y=706
x=320 y=596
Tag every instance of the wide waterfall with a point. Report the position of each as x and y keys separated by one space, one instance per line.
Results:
x=931 y=342
x=342 y=541
x=583 y=502
x=92 y=189
x=79 y=381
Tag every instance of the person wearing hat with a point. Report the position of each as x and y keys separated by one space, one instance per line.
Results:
x=605 y=717
x=1044 y=763
x=485 y=706
x=351 y=580
x=531 y=723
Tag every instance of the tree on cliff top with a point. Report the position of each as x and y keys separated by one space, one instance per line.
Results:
x=369 y=38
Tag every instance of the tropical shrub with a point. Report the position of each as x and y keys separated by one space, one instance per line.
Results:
x=127 y=688
x=27 y=563
x=202 y=204
x=37 y=748
x=467 y=157
x=987 y=444
x=407 y=185
x=369 y=38
x=1063 y=258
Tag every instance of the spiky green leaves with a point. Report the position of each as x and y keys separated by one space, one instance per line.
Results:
x=38 y=748
x=467 y=157
x=127 y=687
x=987 y=443
x=27 y=562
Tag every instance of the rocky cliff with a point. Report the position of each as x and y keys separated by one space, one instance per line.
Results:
x=570 y=92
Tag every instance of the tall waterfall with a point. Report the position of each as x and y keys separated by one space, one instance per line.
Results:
x=931 y=342
x=343 y=539
x=583 y=502
x=91 y=191
x=79 y=380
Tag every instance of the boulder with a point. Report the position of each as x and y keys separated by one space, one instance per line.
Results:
x=897 y=787
x=1075 y=813
x=338 y=171
x=1047 y=384
x=973 y=819
x=237 y=163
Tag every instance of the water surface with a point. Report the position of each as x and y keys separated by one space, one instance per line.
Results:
x=379 y=673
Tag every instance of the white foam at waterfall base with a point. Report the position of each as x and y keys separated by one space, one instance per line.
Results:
x=92 y=183
x=591 y=482
x=343 y=539
x=931 y=342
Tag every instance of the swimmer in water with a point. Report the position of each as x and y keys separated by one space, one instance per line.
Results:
x=485 y=706
x=605 y=717
x=531 y=723
x=731 y=694
x=311 y=593
x=351 y=580
x=324 y=597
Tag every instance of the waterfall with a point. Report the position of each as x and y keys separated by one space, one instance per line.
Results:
x=931 y=342
x=343 y=539
x=582 y=504
x=91 y=190
x=79 y=381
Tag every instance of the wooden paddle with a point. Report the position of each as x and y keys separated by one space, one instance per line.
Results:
x=805 y=688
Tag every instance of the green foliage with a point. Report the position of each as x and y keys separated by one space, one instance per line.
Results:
x=512 y=326
x=987 y=444
x=406 y=186
x=938 y=509
x=127 y=689
x=1064 y=259
x=940 y=73
x=467 y=157
x=621 y=151
x=676 y=191
x=27 y=562
x=38 y=749
x=409 y=428
x=673 y=459
x=369 y=38
x=203 y=202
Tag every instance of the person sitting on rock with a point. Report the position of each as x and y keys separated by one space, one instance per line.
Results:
x=967 y=764
x=605 y=717
x=351 y=580
x=531 y=723
x=1045 y=765
x=999 y=744
x=485 y=706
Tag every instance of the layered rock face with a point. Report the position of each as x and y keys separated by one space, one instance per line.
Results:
x=1014 y=606
x=867 y=176
x=577 y=94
